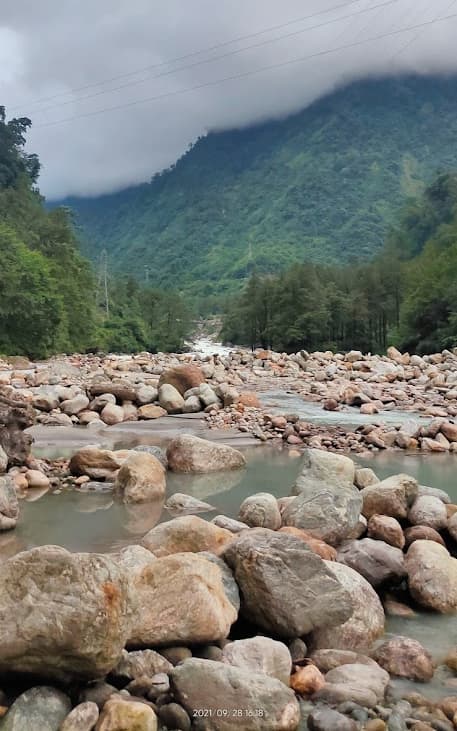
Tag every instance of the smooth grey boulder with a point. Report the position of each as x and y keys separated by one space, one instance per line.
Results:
x=329 y=512
x=260 y=511
x=39 y=709
x=432 y=576
x=181 y=504
x=233 y=698
x=9 y=505
x=260 y=655
x=366 y=622
x=286 y=589
x=170 y=399
x=187 y=453
x=428 y=510
x=377 y=561
x=139 y=663
x=361 y=683
x=327 y=719
x=324 y=469
x=62 y=615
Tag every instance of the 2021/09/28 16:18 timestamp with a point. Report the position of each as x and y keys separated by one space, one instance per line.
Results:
x=227 y=713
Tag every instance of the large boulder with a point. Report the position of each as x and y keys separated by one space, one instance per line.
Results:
x=38 y=709
x=120 y=713
x=62 y=615
x=329 y=512
x=377 y=561
x=260 y=655
x=170 y=399
x=188 y=533
x=393 y=496
x=228 y=698
x=324 y=469
x=286 y=588
x=260 y=511
x=406 y=658
x=98 y=464
x=187 y=453
x=140 y=479
x=358 y=683
x=366 y=622
x=179 y=599
x=432 y=576
x=9 y=506
x=182 y=377
x=428 y=510
x=387 y=529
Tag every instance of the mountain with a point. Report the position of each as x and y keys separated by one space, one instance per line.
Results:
x=323 y=185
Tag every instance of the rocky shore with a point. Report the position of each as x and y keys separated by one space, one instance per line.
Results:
x=265 y=622
x=273 y=621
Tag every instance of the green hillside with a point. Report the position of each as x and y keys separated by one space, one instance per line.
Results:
x=324 y=185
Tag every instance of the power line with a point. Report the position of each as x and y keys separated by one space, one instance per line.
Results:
x=186 y=56
x=217 y=58
x=416 y=36
x=245 y=74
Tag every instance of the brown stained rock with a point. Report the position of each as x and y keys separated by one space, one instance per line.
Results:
x=307 y=680
x=141 y=479
x=182 y=377
x=317 y=546
x=432 y=576
x=188 y=533
x=387 y=529
x=405 y=658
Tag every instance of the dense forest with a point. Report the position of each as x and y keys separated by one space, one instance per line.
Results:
x=324 y=185
x=407 y=295
x=48 y=291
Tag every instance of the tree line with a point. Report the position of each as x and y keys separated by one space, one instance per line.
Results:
x=406 y=296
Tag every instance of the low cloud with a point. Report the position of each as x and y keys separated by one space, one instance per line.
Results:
x=52 y=55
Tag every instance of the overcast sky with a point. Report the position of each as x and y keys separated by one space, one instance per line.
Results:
x=62 y=62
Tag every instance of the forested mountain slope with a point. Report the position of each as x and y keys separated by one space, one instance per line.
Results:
x=323 y=185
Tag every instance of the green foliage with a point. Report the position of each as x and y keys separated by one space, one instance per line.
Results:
x=406 y=296
x=324 y=185
x=48 y=290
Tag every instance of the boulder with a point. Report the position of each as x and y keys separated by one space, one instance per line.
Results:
x=432 y=576
x=449 y=430
x=406 y=658
x=387 y=529
x=307 y=680
x=429 y=511
x=366 y=622
x=3 y=460
x=187 y=533
x=192 y=405
x=9 y=505
x=140 y=663
x=328 y=659
x=327 y=719
x=315 y=544
x=112 y=414
x=187 y=453
x=170 y=399
x=422 y=533
x=82 y=718
x=125 y=715
x=120 y=391
x=36 y=478
x=180 y=599
x=364 y=477
x=140 y=479
x=181 y=504
x=182 y=377
x=377 y=561
x=260 y=655
x=98 y=464
x=260 y=511
x=329 y=512
x=286 y=588
x=146 y=395
x=392 y=497
x=73 y=406
x=360 y=683
x=62 y=615
x=451 y=526
x=151 y=411
x=251 y=701
x=324 y=469
x=39 y=708
x=234 y=526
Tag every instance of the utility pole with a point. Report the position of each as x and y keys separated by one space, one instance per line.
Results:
x=102 y=282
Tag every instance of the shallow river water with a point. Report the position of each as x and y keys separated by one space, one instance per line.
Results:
x=91 y=521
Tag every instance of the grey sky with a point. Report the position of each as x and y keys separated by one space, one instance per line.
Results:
x=55 y=47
